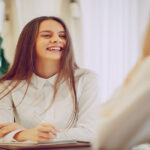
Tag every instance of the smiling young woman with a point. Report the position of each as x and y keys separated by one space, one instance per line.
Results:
x=50 y=44
x=45 y=91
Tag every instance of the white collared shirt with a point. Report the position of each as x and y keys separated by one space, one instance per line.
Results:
x=30 y=111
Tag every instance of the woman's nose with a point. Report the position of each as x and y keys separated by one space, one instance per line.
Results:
x=55 y=39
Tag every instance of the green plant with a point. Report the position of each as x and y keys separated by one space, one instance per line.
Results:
x=4 y=64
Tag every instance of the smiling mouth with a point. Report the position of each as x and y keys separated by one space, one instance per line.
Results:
x=54 y=49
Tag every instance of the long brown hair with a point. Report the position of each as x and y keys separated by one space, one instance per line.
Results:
x=145 y=53
x=23 y=65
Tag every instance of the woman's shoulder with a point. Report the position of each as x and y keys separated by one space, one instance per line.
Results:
x=4 y=84
x=86 y=76
x=85 y=73
x=4 y=87
x=8 y=84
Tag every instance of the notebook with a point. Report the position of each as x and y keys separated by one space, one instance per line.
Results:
x=51 y=144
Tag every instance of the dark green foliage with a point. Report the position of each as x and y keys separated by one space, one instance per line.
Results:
x=4 y=64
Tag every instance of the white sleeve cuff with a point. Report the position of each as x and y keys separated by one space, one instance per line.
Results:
x=10 y=137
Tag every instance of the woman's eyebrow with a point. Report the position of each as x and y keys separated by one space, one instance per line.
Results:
x=48 y=31
x=45 y=31
x=62 y=32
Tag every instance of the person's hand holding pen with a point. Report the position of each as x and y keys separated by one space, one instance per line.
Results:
x=43 y=132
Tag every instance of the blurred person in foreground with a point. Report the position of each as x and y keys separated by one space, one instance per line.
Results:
x=124 y=120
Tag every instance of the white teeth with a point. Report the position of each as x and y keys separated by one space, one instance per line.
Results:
x=55 y=48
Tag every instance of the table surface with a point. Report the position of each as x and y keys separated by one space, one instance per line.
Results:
x=80 y=146
x=77 y=148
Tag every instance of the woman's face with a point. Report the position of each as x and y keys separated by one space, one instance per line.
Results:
x=51 y=41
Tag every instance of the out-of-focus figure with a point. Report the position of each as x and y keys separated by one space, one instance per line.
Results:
x=124 y=120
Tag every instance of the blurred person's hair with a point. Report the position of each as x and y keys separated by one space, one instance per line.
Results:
x=145 y=53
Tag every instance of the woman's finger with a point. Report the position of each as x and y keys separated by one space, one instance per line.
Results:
x=47 y=130
x=5 y=130
x=4 y=124
x=46 y=135
x=53 y=131
x=8 y=128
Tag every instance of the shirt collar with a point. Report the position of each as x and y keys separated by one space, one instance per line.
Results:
x=38 y=82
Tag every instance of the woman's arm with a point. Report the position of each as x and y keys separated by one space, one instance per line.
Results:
x=11 y=131
x=7 y=126
x=42 y=132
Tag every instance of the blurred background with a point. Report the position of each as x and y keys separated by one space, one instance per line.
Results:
x=107 y=34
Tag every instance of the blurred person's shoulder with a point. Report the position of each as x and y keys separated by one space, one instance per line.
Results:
x=146 y=62
x=144 y=69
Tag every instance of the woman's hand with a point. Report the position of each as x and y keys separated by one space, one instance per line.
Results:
x=41 y=133
x=6 y=128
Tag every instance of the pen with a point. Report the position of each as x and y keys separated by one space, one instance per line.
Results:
x=42 y=120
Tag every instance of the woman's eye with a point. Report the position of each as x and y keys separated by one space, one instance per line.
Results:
x=62 y=36
x=46 y=35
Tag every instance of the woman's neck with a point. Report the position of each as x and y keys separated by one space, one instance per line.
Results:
x=46 y=69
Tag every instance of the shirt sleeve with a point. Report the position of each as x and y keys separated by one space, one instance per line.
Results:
x=6 y=107
x=6 y=114
x=88 y=103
